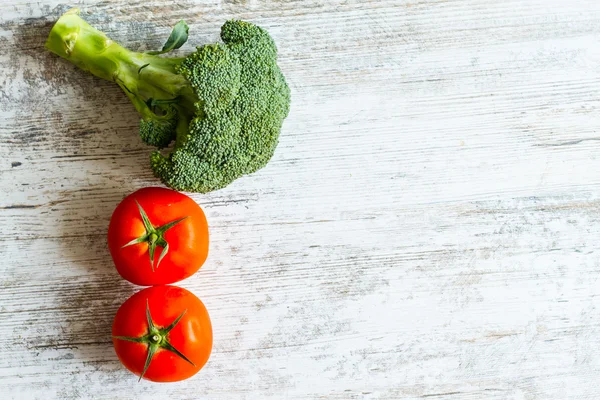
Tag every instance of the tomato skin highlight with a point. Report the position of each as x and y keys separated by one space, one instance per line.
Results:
x=188 y=240
x=192 y=335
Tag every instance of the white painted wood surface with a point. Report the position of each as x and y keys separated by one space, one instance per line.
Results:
x=428 y=228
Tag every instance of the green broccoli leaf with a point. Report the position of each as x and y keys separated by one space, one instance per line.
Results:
x=179 y=35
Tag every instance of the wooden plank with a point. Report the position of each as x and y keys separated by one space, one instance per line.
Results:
x=427 y=228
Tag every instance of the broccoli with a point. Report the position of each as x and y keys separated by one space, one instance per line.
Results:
x=223 y=105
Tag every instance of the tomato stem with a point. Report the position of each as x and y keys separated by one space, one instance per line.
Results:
x=156 y=338
x=154 y=236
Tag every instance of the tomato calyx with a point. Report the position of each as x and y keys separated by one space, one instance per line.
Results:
x=154 y=236
x=155 y=339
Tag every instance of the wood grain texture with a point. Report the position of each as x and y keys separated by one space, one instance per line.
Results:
x=427 y=229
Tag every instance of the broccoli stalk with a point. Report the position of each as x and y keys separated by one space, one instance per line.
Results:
x=224 y=104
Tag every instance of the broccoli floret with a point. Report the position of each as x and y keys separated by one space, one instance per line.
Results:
x=223 y=105
x=159 y=130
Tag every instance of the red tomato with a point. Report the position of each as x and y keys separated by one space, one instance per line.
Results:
x=163 y=334
x=158 y=236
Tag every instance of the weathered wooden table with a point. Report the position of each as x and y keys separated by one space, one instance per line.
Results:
x=428 y=228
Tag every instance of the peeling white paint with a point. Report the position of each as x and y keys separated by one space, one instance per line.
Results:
x=428 y=227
